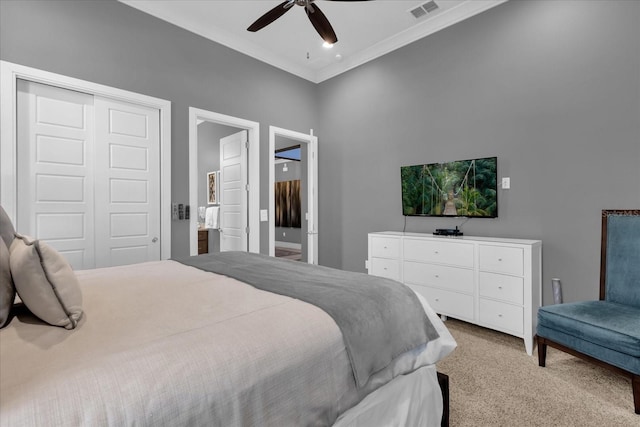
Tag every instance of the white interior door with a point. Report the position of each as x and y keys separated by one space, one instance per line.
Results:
x=233 y=187
x=127 y=183
x=55 y=195
x=312 y=200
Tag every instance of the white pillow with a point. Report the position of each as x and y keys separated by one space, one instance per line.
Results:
x=45 y=282
x=6 y=228
x=7 y=291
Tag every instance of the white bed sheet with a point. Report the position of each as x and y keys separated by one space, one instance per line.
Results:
x=408 y=400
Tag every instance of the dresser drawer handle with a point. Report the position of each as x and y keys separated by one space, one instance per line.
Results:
x=500 y=287
x=437 y=275
x=499 y=315
x=499 y=259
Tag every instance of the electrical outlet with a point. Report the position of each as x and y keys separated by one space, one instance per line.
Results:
x=506 y=183
x=174 y=211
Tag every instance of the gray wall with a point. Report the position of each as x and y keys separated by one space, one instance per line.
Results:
x=113 y=44
x=550 y=87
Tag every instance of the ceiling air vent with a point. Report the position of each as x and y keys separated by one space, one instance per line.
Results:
x=423 y=9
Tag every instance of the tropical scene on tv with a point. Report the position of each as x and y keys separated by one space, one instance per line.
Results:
x=459 y=188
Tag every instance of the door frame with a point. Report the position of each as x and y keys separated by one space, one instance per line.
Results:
x=253 y=168
x=9 y=75
x=311 y=142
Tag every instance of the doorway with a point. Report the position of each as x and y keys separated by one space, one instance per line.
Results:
x=293 y=163
x=223 y=126
x=290 y=195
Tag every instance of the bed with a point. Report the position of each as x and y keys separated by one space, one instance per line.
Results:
x=169 y=343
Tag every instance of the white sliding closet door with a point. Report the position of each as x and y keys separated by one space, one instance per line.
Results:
x=127 y=183
x=55 y=164
x=88 y=176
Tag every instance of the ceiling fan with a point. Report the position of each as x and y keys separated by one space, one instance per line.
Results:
x=317 y=18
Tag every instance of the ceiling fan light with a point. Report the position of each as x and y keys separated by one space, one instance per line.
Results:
x=327 y=45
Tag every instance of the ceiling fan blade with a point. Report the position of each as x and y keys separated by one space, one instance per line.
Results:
x=321 y=23
x=270 y=16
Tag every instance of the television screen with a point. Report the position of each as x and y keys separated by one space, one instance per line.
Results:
x=460 y=188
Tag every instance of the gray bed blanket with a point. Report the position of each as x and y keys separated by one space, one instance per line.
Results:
x=379 y=318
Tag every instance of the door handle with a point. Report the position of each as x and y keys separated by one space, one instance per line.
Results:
x=155 y=239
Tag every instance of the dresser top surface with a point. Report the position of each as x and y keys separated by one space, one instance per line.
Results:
x=463 y=238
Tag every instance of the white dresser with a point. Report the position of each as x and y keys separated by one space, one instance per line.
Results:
x=492 y=282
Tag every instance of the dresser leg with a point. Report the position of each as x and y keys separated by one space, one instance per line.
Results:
x=528 y=345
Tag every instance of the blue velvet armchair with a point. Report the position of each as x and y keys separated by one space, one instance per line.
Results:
x=607 y=331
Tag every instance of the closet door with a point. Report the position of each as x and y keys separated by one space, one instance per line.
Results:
x=55 y=162
x=88 y=176
x=127 y=183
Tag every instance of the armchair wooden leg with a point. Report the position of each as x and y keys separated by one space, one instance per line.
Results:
x=542 y=351
x=635 y=383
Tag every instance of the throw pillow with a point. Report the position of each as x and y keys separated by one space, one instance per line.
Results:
x=6 y=228
x=7 y=291
x=45 y=282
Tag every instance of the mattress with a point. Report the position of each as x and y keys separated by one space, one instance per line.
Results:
x=162 y=343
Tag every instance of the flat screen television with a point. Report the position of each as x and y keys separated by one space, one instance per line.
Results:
x=462 y=188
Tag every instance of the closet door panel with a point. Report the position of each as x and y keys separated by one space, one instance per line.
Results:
x=54 y=171
x=127 y=183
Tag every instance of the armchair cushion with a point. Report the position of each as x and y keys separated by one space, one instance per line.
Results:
x=623 y=260
x=606 y=324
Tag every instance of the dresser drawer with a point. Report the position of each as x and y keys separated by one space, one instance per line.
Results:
x=502 y=316
x=449 y=303
x=384 y=267
x=385 y=247
x=440 y=276
x=501 y=259
x=439 y=251
x=501 y=287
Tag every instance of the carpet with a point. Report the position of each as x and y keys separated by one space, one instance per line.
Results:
x=493 y=382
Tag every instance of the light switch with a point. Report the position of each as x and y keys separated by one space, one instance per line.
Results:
x=506 y=183
x=264 y=215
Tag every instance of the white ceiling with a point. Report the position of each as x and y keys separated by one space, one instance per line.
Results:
x=365 y=30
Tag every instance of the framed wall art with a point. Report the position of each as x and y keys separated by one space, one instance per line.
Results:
x=213 y=188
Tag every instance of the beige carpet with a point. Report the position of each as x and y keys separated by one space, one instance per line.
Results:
x=493 y=382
